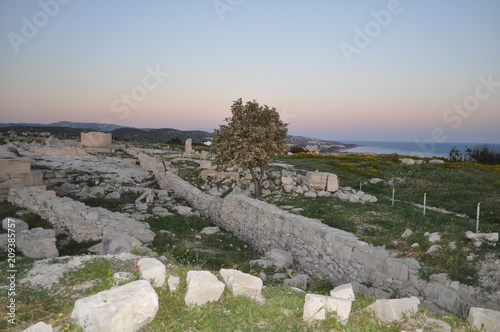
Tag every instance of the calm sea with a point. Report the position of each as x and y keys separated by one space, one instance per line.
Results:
x=413 y=149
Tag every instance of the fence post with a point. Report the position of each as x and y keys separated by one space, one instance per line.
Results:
x=477 y=216
x=425 y=202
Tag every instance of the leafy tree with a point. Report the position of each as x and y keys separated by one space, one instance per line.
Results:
x=252 y=137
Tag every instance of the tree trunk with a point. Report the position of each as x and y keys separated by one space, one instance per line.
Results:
x=257 y=181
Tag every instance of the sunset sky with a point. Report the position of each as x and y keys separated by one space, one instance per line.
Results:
x=340 y=70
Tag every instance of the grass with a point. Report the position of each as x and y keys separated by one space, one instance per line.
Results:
x=456 y=187
x=114 y=205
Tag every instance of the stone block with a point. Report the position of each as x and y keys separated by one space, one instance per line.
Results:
x=126 y=308
x=393 y=310
x=345 y=291
x=285 y=180
x=14 y=165
x=116 y=243
x=37 y=243
x=408 y=161
x=332 y=183
x=202 y=287
x=32 y=178
x=485 y=320
x=317 y=180
x=317 y=306
x=152 y=270
x=298 y=281
x=279 y=258
x=95 y=140
x=243 y=284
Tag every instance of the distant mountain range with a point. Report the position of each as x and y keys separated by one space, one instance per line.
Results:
x=162 y=135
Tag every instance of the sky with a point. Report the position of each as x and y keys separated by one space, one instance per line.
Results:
x=424 y=71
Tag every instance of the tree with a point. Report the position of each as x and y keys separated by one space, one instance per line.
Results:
x=252 y=137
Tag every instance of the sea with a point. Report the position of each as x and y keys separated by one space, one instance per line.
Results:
x=427 y=150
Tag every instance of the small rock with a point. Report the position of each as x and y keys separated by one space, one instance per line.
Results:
x=210 y=230
x=393 y=310
x=202 y=287
x=345 y=291
x=298 y=281
x=310 y=194
x=317 y=306
x=407 y=233
x=415 y=245
x=39 y=327
x=113 y=195
x=152 y=270
x=243 y=284
x=444 y=327
x=433 y=248
x=279 y=258
x=14 y=224
x=434 y=237
x=173 y=282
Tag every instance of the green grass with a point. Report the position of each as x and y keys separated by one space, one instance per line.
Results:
x=456 y=187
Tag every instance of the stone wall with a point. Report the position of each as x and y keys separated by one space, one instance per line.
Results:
x=81 y=221
x=327 y=253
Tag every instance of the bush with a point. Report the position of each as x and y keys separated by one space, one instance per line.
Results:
x=297 y=149
x=483 y=155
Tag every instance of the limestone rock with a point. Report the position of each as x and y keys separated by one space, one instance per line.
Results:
x=39 y=327
x=152 y=270
x=442 y=325
x=479 y=237
x=161 y=211
x=433 y=248
x=286 y=180
x=316 y=180
x=15 y=224
x=210 y=230
x=243 y=284
x=407 y=161
x=184 y=210
x=125 y=308
x=202 y=287
x=173 y=282
x=436 y=161
x=37 y=243
x=316 y=306
x=96 y=140
x=407 y=233
x=279 y=258
x=345 y=291
x=393 y=310
x=489 y=318
x=332 y=183
x=299 y=281
x=113 y=195
x=434 y=237
x=116 y=243
x=310 y=194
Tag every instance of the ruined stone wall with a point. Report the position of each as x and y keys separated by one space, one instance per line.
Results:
x=82 y=222
x=326 y=253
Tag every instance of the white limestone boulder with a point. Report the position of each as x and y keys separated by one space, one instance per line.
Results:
x=279 y=258
x=202 y=287
x=126 y=308
x=116 y=243
x=14 y=224
x=39 y=327
x=489 y=319
x=345 y=291
x=152 y=270
x=298 y=281
x=243 y=284
x=37 y=243
x=407 y=161
x=173 y=282
x=393 y=310
x=210 y=230
x=317 y=306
